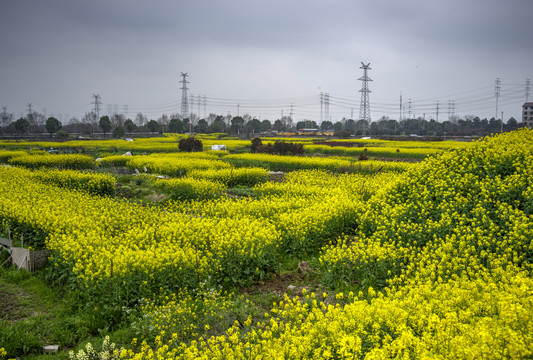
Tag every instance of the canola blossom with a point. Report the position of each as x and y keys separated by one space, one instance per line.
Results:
x=448 y=246
x=292 y=163
x=60 y=161
x=380 y=152
x=188 y=188
x=90 y=182
x=176 y=164
x=232 y=176
x=430 y=261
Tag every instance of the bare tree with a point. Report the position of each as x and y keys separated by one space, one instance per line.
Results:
x=140 y=119
x=117 y=119
x=5 y=119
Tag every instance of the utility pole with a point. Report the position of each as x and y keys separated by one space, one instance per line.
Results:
x=321 y=107
x=401 y=107
x=199 y=99
x=205 y=105
x=437 y=111
x=184 y=97
x=191 y=107
x=409 y=108
x=497 y=88
x=30 y=116
x=30 y=112
x=326 y=106
x=96 y=104
x=238 y=108
x=364 y=108
x=527 y=89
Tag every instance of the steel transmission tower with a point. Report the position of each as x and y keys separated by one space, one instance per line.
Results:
x=364 y=109
x=96 y=104
x=497 y=89
x=184 y=97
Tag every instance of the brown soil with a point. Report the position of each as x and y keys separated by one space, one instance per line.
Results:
x=279 y=285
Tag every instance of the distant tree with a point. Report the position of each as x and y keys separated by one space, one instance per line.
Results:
x=338 y=126
x=326 y=125
x=119 y=132
x=153 y=126
x=201 y=126
x=5 y=120
x=218 y=125
x=495 y=125
x=278 y=125
x=266 y=125
x=253 y=126
x=163 y=122
x=140 y=119
x=52 y=125
x=306 y=124
x=130 y=126
x=117 y=120
x=105 y=124
x=512 y=124
x=175 y=125
x=350 y=126
x=21 y=126
x=36 y=121
x=236 y=124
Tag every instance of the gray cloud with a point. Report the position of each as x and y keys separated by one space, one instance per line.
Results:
x=57 y=53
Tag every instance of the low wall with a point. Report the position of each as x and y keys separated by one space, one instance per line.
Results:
x=30 y=260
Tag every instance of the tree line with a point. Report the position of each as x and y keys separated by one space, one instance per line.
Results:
x=118 y=126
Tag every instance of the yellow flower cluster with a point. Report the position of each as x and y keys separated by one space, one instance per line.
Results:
x=232 y=176
x=5 y=155
x=387 y=152
x=176 y=164
x=138 y=249
x=90 y=182
x=451 y=239
x=297 y=208
x=113 y=160
x=187 y=188
x=461 y=319
x=61 y=161
x=462 y=212
x=334 y=164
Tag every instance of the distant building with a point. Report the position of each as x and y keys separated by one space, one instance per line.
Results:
x=527 y=114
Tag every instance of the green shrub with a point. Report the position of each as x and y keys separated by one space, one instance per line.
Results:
x=191 y=144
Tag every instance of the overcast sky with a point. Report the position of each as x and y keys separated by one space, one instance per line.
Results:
x=259 y=57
